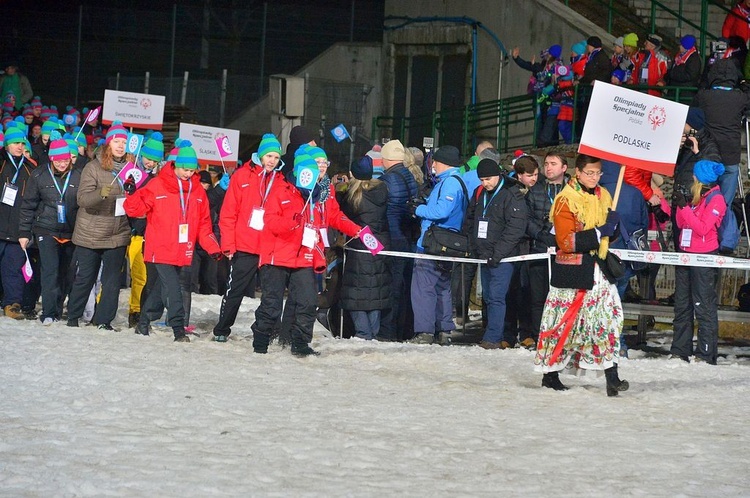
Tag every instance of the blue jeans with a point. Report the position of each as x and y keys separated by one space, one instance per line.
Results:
x=495 y=283
x=431 y=298
x=366 y=323
x=728 y=182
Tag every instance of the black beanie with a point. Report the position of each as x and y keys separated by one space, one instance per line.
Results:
x=594 y=41
x=487 y=168
x=300 y=135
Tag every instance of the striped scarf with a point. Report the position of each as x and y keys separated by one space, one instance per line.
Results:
x=591 y=210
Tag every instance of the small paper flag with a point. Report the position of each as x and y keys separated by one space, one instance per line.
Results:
x=306 y=177
x=131 y=170
x=222 y=145
x=93 y=115
x=371 y=243
x=28 y=273
x=340 y=133
x=134 y=143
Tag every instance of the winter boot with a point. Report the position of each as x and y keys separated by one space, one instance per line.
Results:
x=260 y=342
x=133 y=318
x=614 y=384
x=552 y=380
x=179 y=334
x=302 y=349
x=142 y=329
x=14 y=311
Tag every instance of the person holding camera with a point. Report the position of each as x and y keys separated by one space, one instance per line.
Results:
x=582 y=317
x=495 y=223
x=431 y=281
x=698 y=215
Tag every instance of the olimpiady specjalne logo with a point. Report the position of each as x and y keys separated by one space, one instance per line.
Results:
x=657 y=116
x=145 y=103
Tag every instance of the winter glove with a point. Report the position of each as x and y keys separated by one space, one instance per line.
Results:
x=216 y=256
x=105 y=191
x=610 y=227
x=679 y=199
x=414 y=203
x=224 y=182
x=298 y=219
x=492 y=263
x=129 y=186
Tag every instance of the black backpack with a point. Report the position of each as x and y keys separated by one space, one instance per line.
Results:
x=743 y=296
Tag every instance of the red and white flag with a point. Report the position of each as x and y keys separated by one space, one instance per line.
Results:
x=371 y=243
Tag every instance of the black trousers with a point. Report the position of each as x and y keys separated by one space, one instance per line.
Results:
x=241 y=276
x=301 y=282
x=204 y=273
x=397 y=322
x=89 y=261
x=462 y=296
x=695 y=298
x=55 y=261
x=155 y=296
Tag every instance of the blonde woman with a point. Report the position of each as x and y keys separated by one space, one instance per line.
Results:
x=366 y=288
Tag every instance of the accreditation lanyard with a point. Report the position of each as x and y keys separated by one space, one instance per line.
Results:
x=184 y=201
x=268 y=187
x=57 y=186
x=17 y=166
x=488 y=202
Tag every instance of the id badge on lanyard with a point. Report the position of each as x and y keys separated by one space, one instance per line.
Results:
x=10 y=192
x=60 y=212
x=182 y=238
x=309 y=236
x=482 y=228
x=256 y=219
x=120 y=206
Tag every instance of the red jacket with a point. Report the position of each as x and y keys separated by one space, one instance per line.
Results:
x=640 y=179
x=658 y=65
x=285 y=218
x=159 y=201
x=736 y=23
x=245 y=193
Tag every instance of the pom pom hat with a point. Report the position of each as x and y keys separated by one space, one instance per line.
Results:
x=707 y=172
x=186 y=156
x=59 y=150
x=153 y=149
x=268 y=144
x=117 y=130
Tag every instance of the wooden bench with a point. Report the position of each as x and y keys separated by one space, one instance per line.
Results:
x=638 y=311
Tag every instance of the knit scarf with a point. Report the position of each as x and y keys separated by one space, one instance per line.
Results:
x=589 y=209
x=325 y=188
x=680 y=59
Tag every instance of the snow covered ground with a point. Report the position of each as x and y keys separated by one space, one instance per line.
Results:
x=91 y=413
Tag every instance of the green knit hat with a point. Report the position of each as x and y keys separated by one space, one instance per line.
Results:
x=154 y=147
x=317 y=153
x=269 y=143
x=186 y=156
x=14 y=134
x=50 y=125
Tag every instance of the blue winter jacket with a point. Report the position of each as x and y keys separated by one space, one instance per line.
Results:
x=446 y=204
x=401 y=187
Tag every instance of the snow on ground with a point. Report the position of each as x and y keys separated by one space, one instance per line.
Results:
x=91 y=413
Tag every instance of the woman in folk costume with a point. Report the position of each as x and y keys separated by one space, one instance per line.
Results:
x=582 y=316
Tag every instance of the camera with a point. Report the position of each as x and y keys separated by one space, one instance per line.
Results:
x=658 y=213
x=718 y=47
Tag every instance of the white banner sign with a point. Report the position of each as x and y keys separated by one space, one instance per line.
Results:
x=137 y=110
x=633 y=128
x=204 y=140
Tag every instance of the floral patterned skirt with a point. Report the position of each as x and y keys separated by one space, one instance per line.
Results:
x=594 y=340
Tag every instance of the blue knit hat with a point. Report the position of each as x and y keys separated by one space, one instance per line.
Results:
x=117 y=130
x=687 y=41
x=579 y=48
x=317 y=153
x=153 y=148
x=268 y=144
x=303 y=160
x=186 y=156
x=707 y=172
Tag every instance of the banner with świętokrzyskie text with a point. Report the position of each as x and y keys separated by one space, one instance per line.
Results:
x=633 y=128
x=135 y=110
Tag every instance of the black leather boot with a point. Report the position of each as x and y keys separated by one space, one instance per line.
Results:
x=614 y=384
x=552 y=380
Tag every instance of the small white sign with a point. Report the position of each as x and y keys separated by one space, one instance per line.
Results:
x=137 y=110
x=204 y=142
x=633 y=128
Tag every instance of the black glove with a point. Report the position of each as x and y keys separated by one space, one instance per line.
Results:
x=679 y=199
x=216 y=256
x=129 y=186
x=610 y=227
x=659 y=213
x=492 y=263
x=413 y=204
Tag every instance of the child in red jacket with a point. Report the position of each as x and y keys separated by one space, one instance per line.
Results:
x=177 y=214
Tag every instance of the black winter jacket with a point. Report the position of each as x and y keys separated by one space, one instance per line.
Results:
x=367 y=279
x=724 y=109
x=539 y=200
x=686 y=159
x=598 y=68
x=10 y=215
x=39 y=207
x=507 y=216
x=687 y=74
